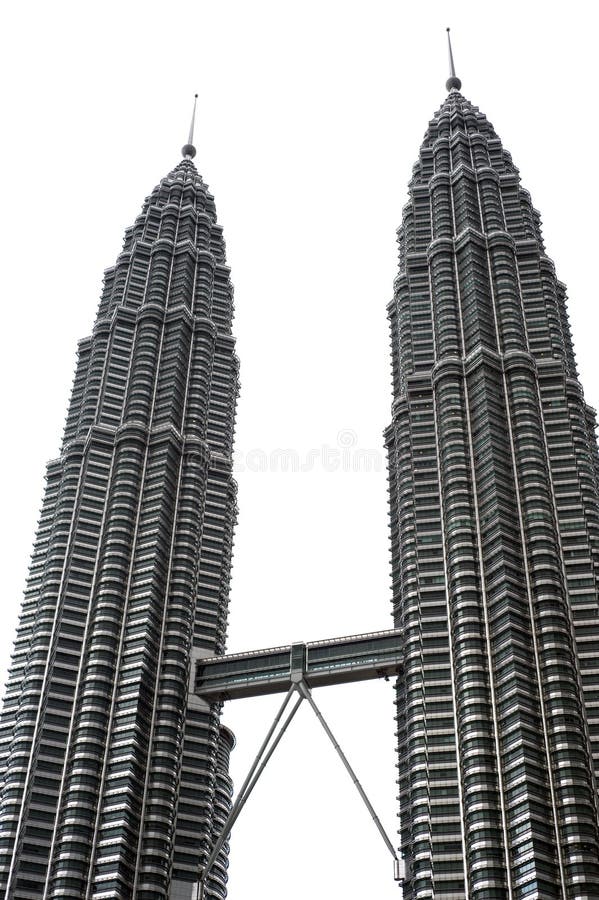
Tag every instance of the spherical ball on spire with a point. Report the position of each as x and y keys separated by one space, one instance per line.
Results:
x=453 y=82
x=188 y=150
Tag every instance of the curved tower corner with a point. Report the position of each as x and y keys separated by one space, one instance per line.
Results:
x=495 y=538
x=113 y=773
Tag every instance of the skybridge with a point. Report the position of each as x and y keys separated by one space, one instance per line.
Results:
x=335 y=661
x=294 y=670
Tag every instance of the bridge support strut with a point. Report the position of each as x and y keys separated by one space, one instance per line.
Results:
x=265 y=752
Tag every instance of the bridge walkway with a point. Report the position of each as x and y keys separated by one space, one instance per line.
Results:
x=320 y=663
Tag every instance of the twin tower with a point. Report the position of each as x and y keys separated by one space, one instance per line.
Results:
x=114 y=767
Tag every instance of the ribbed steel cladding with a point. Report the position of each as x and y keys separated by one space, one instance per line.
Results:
x=108 y=777
x=222 y=805
x=494 y=527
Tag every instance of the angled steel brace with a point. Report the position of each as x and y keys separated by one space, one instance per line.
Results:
x=306 y=693
x=256 y=769
x=299 y=685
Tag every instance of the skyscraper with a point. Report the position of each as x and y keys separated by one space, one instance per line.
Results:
x=494 y=492
x=114 y=777
x=115 y=774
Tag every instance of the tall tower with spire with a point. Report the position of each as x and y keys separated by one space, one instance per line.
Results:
x=114 y=779
x=113 y=775
x=494 y=486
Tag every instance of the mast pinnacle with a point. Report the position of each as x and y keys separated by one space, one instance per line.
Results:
x=453 y=82
x=188 y=150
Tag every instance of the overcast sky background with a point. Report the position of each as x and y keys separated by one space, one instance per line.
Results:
x=310 y=117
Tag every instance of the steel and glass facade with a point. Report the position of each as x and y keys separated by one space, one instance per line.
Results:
x=495 y=538
x=114 y=775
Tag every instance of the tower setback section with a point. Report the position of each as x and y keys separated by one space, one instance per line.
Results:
x=114 y=776
x=493 y=473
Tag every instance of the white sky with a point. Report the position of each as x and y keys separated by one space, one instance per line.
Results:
x=310 y=118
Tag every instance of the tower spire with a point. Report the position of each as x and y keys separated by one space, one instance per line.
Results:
x=453 y=81
x=188 y=150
